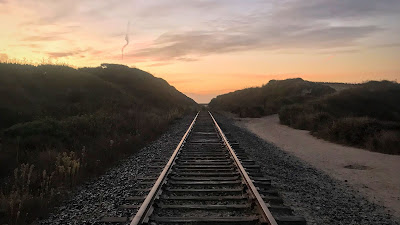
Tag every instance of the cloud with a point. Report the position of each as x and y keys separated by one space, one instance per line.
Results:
x=159 y=64
x=54 y=36
x=183 y=45
x=186 y=59
x=62 y=11
x=33 y=46
x=388 y=45
x=344 y=9
x=40 y=38
x=66 y=54
x=176 y=7
x=283 y=25
x=339 y=51
x=189 y=30
x=293 y=24
x=192 y=44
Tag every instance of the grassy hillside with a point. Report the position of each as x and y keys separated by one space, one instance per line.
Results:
x=139 y=83
x=60 y=125
x=366 y=116
x=362 y=115
x=268 y=99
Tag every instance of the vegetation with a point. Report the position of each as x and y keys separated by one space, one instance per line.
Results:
x=60 y=125
x=339 y=86
x=268 y=99
x=361 y=115
x=366 y=116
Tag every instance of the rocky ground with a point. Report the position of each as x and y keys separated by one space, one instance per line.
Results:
x=101 y=197
x=310 y=192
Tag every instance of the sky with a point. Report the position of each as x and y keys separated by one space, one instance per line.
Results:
x=208 y=47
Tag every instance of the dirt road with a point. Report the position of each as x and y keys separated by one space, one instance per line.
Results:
x=375 y=175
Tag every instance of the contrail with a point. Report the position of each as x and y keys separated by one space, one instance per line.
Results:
x=126 y=39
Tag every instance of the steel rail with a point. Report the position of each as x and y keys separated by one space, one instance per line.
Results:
x=144 y=209
x=266 y=215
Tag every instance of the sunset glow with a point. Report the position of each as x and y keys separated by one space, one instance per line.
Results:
x=205 y=48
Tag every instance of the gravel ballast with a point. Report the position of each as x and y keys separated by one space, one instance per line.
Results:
x=308 y=191
x=102 y=196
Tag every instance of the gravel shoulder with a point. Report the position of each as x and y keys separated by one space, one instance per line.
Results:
x=375 y=175
x=312 y=193
x=101 y=196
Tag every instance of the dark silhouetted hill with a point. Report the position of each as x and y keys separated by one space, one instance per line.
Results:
x=268 y=99
x=30 y=92
x=60 y=125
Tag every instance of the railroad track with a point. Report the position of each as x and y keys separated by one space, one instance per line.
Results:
x=207 y=180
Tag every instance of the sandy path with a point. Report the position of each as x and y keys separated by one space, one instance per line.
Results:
x=375 y=175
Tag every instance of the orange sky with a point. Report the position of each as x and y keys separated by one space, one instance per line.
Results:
x=205 y=48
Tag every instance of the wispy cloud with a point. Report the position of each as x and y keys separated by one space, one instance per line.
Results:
x=61 y=54
x=192 y=44
x=53 y=36
x=159 y=64
x=226 y=25
x=40 y=38
x=176 y=7
x=292 y=24
x=388 y=45
x=326 y=9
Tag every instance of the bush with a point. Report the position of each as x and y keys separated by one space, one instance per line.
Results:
x=37 y=134
x=366 y=116
x=353 y=131
x=385 y=141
